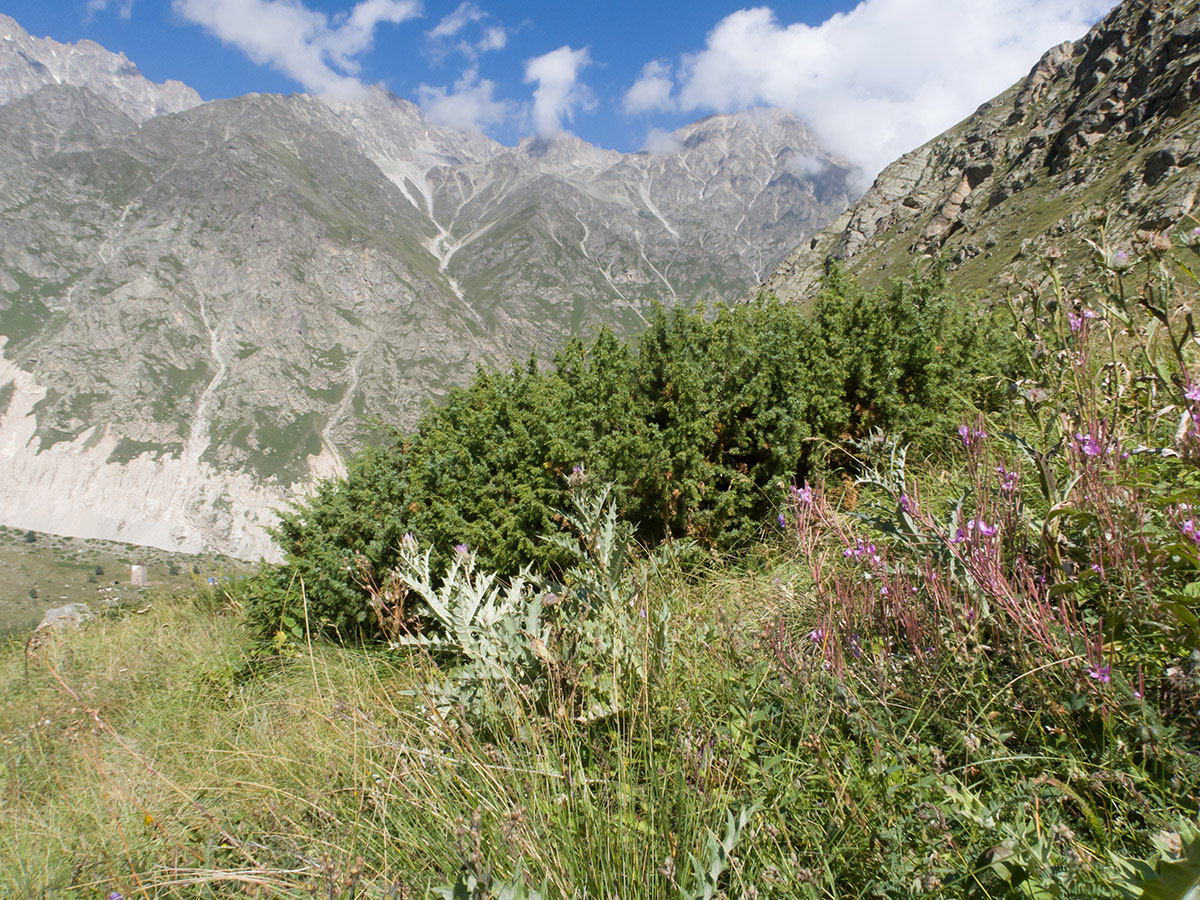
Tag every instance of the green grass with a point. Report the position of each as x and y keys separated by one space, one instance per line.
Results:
x=158 y=757
x=62 y=570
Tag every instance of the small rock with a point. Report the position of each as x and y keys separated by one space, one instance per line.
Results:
x=70 y=616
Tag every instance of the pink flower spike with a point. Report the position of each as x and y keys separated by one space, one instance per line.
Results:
x=1193 y=392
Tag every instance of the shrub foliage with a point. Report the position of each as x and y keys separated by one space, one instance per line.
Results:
x=697 y=425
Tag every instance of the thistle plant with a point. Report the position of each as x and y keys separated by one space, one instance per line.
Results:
x=580 y=643
x=493 y=632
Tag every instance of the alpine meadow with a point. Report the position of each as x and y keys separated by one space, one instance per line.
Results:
x=409 y=514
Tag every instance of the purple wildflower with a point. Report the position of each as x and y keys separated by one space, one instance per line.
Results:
x=1008 y=480
x=802 y=495
x=1188 y=527
x=905 y=504
x=1075 y=321
x=460 y=549
x=1193 y=392
x=1102 y=674
x=985 y=530
x=1120 y=259
x=1088 y=445
x=855 y=646
x=782 y=521
x=115 y=895
x=965 y=433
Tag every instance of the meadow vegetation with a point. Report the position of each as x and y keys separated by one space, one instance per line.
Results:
x=896 y=597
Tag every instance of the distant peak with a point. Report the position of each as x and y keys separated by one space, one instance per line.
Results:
x=31 y=63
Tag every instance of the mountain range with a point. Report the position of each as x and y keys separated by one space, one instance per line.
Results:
x=204 y=306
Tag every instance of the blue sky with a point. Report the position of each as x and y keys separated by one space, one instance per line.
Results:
x=874 y=78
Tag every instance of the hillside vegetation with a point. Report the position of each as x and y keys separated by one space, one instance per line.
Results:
x=865 y=604
x=699 y=425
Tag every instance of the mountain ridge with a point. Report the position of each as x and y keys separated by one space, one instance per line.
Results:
x=1105 y=126
x=29 y=63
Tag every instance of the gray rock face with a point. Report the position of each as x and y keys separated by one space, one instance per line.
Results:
x=204 y=311
x=72 y=615
x=28 y=63
x=1109 y=124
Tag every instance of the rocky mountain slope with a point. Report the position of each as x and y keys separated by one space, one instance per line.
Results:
x=1109 y=124
x=28 y=63
x=204 y=306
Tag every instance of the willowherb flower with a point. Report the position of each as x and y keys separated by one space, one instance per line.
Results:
x=1076 y=322
x=1008 y=480
x=1102 y=674
x=1088 y=445
x=985 y=530
x=965 y=433
x=905 y=504
x=1190 y=531
x=1193 y=392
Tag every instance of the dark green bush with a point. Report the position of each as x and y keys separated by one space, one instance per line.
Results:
x=697 y=424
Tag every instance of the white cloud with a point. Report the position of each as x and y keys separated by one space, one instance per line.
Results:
x=310 y=47
x=470 y=105
x=558 y=92
x=124 y=8
x=879 y=80
x=659 y=141
x=464 y=15
x=652 y=90
x=494 y=38
x=490 y=37
x=805 y=165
